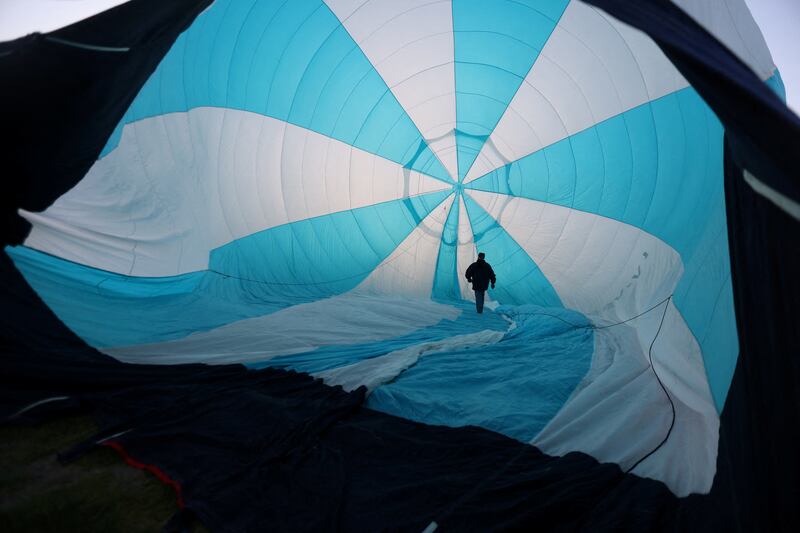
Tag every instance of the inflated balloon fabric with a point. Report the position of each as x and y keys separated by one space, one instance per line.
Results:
x=303 y=184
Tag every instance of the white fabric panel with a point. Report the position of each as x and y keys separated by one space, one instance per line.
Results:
x=376 y=371
x=786 y=204
x=341 y=320
x=611 y=272
x=731 y=22
x=210 y=176
x=444 y=146
x=411 y=267
x=619 y=412
x=598 y=266
x=410 y=44
x=592 y=68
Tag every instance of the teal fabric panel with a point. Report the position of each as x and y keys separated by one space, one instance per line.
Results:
x=293 y=61
x=654 y=167
x=776 y=84
x=658 y=167
x=705 y=298
x=496 y=44
x=537 y=364
x=519 y=279
x=514 y=386
x=107 y=309
x=445 y=280
x=325 y=255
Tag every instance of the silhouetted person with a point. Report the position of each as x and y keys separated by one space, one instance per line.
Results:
x=480 y=273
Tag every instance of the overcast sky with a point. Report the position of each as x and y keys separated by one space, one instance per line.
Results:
x=779 y=21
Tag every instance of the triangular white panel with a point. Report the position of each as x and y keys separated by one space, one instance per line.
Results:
x=210 y=176
x=592 y=68
x=410 y=43
x=411 y=267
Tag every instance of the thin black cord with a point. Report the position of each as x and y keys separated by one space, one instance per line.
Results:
x=593 y=326
x=669 y=431
x=671 y=403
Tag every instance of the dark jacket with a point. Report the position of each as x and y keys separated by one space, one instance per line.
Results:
x=480 y=273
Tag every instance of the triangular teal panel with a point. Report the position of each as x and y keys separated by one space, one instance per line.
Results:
x=445 y=280
x=496 y=44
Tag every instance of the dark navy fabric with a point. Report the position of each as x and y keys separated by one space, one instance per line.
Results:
x=60 y=103
x=758 y=471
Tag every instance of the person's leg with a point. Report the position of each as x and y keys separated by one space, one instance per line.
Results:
x=479 y=300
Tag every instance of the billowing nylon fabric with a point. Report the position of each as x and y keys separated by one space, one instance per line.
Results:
x=309 y=179
x=203 y=188
x=304 y=456
x=534 y=388
x=455 y=323
x=758 y=438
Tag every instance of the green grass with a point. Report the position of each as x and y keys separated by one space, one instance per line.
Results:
x=98 y=492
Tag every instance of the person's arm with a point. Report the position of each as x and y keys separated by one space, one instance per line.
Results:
x=468 y=273
x=492 y=277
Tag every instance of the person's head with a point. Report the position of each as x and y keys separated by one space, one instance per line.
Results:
x=481 y=255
